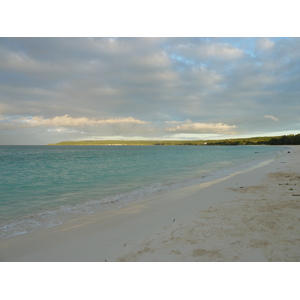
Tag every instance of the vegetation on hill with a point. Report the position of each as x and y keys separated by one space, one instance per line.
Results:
x=277 y=140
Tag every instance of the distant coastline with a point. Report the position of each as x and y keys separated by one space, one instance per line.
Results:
x=274 y=140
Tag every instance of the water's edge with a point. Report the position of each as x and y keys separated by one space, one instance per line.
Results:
x=56 y=217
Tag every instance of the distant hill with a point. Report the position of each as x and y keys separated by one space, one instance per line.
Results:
x=275 y=140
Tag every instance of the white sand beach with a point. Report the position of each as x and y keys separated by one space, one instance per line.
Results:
x=252 y=216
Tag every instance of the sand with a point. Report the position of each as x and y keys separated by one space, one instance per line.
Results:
x=249 y=216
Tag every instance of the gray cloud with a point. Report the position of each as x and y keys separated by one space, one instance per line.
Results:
x=224 y=86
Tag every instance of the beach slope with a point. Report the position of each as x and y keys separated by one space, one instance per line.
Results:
x=251 y=215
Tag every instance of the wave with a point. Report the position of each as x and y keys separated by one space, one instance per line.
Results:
x=64 y=213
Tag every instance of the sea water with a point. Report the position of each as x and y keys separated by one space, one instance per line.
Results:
x=45 y=186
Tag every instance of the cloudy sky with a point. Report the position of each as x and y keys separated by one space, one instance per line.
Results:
x=58 y=89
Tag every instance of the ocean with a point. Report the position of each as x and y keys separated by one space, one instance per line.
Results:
x=45 y=186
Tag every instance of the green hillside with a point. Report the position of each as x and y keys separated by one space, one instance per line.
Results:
x=277 y=140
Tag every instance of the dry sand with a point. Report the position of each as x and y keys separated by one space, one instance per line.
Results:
x=261 y=225
x=249 y=216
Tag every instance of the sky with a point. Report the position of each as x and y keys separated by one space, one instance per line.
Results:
x=61 y=89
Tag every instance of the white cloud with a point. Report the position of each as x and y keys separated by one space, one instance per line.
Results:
x=68 y=121
x=225 y=51
x=203 y=128
x=272 y=118
x=173 y=122
x=211 y=50
x=154 y=61
x=63 y=130
x=2 y=118
x=265 y=43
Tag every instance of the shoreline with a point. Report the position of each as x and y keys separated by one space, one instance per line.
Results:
x=57 y=216
x=128 y=233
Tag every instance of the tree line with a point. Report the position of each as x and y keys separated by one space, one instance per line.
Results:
x=279 y=140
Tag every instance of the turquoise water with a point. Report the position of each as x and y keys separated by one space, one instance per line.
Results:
x=43 y=186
